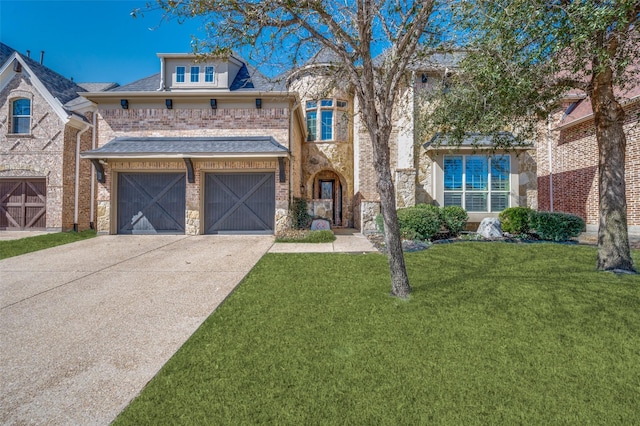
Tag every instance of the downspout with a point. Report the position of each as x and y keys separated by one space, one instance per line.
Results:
x=77 y=178
x=93 y=175
x=550 y=155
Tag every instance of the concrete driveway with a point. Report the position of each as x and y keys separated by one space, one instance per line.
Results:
x=83 y=327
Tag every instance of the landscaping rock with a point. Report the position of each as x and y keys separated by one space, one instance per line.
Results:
x=490 y=227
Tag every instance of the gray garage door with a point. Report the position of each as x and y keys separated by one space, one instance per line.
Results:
x=151 y=203
x=23 y=204
x=240 y=202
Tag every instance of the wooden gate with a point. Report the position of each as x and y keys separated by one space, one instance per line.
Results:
x=23 y=204
x=239 y=202
x=151 y=203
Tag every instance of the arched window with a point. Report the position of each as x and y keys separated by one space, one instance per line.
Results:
x=21 y=116
x=327 y=120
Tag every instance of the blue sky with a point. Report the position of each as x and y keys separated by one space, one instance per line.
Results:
x=93 y=40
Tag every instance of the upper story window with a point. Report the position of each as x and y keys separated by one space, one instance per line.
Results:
x=180 y=74
x=327 y=120
x=477 y=183
x=208 y=74
x=195 y=74
x=21 y=116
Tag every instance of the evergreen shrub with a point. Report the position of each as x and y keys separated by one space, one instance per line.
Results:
x=419 y=222
x=301 y=219
x=516 y=220
x=453 y=219
x=555 y=226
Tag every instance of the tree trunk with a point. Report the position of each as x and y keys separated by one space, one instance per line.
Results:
x=614 y=252
x=399 y=279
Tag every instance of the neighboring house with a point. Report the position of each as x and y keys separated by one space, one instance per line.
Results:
x=44 y=125
x=199 y=148
x=568 y=160
x=211 y=147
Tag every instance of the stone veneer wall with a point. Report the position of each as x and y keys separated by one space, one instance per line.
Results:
x=575 y=170
x=48 y=152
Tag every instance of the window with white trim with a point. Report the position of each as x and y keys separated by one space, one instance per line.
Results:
x=327 y=120
x=477 y=183
x=208 y=74
x=21 y=116
x=180 y=74
x=195 y=74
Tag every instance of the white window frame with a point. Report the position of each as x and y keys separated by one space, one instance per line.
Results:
x=194 y=77
x=208 y=68
x=464 y=191
x=323 y=110
x=15 y=117
x=181 y=74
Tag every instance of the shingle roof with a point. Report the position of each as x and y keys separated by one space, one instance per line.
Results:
x=97 y=87
x=147 y=84
x=473 y=140
x=188 y=147
x=59 y=86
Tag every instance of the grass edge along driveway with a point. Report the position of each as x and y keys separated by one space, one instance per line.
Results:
x=20 y=246
x=492 y=333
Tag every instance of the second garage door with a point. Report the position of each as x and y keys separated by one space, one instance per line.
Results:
x=239 y=202
x=23 y=204
x=151 y=203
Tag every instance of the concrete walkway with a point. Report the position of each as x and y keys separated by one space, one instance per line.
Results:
x=84 y=326
x=347 y=241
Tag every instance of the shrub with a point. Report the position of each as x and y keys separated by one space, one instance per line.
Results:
x=515 y=220
x=554 y=226
x=301 y=219
x=453 y=219
x=419 y=222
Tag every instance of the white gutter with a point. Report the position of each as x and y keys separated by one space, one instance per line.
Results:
x=550 y=155
x=161 y=88
x=93 y=174
x=77 y=177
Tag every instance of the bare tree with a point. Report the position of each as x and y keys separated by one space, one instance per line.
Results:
x=286 y=33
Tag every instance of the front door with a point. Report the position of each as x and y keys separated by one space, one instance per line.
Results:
x=329 y=190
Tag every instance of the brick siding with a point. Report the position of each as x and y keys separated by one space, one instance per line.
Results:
x=575 y=169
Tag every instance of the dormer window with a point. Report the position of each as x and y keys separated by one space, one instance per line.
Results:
x=21 y=116
x=195 y=74
x=208 y=74
x=180 y=74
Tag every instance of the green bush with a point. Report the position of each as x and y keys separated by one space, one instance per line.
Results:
x=516 y=220
x=419 y=222
x=555 y=226
x=453 y=219
x=301 y=219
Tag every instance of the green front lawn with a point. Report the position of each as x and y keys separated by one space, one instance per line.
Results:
x=27 y=245
x=493 y=333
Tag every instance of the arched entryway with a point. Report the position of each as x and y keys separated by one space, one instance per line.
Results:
x=327 y=185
